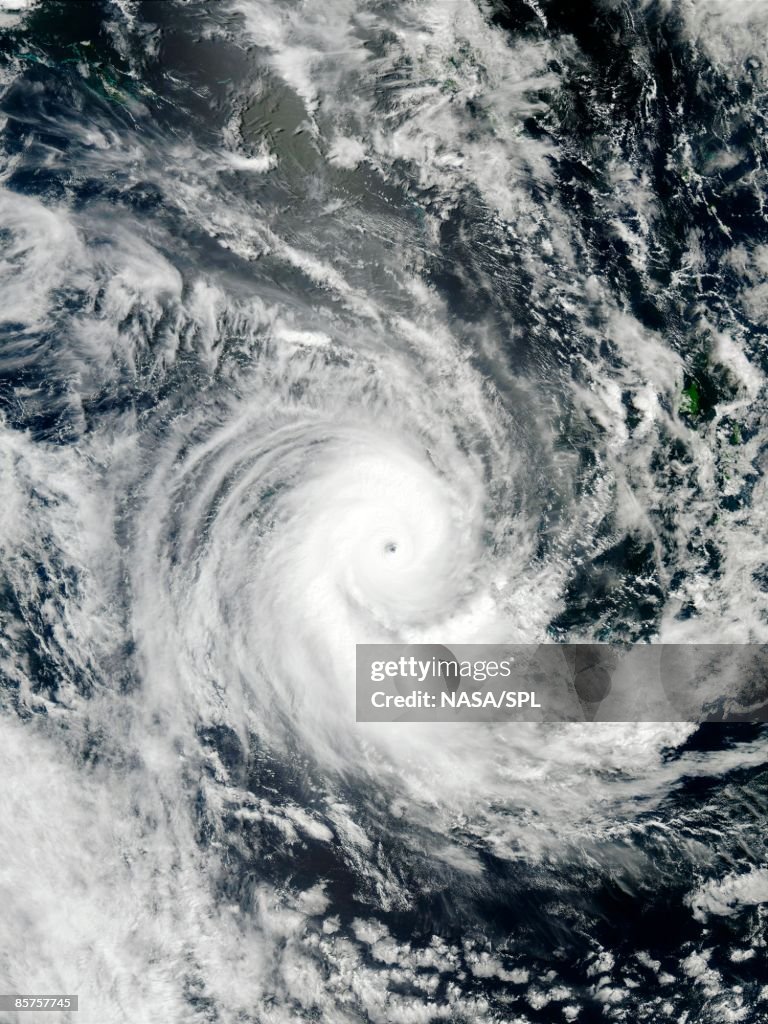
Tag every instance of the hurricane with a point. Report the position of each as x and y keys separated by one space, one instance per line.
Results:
x=369 y=322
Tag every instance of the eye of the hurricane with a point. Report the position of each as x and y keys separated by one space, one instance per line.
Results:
x=390 y=548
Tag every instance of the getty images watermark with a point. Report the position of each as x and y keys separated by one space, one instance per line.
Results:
x=562 y=683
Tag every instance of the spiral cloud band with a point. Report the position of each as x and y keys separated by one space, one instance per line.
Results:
x=358 y=323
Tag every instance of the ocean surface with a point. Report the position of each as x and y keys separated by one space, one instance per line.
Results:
x=327 y=322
